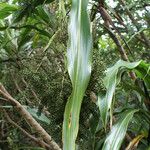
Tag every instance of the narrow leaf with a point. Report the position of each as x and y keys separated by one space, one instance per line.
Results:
x=134 y=143
x=79 y=68
x=110 y=82
x=117 y=134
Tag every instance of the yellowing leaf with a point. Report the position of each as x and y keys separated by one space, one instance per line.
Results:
x=134 y=142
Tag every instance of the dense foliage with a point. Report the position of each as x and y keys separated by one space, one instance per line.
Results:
x=52 y=69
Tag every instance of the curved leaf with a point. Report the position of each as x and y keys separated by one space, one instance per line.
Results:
x=117 y=134
x=79 y=68
x=143 y=72
x=135 y=141
x=110 y=82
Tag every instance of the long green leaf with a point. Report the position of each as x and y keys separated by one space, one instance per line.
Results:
x=79 y=68
x=117 y=134
x=110 y=82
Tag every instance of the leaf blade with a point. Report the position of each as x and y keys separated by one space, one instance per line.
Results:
x=79 y=69
x=117 y=134
x=110 y=82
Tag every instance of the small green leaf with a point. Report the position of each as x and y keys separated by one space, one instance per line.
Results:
x=42 y=117
x=118 y=131
x=143 y=72
x=6 y=10
x=43 y=14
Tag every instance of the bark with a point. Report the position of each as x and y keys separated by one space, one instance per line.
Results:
x=27 y=116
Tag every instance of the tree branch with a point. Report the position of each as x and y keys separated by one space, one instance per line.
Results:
x=30 y=119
